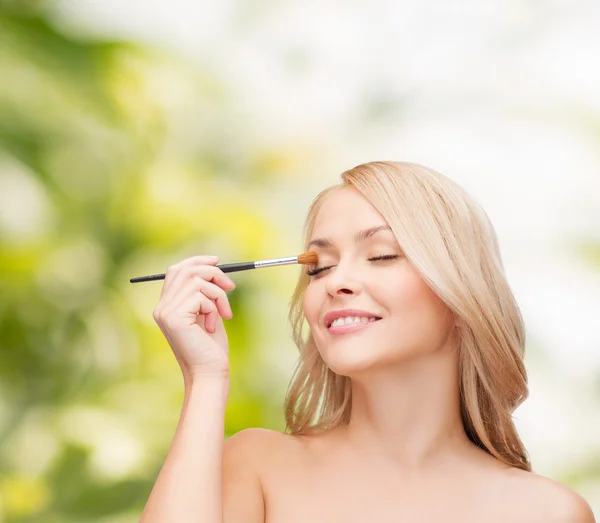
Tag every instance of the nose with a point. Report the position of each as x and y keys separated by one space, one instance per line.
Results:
x=342 y=280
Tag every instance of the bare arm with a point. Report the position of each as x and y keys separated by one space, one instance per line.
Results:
x=188 y=487
x=203 y=478
x=199 y=465
x=243 y=497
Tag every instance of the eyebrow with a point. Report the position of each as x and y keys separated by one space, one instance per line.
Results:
x=358 y=237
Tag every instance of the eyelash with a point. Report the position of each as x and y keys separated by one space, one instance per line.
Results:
x=316 y=271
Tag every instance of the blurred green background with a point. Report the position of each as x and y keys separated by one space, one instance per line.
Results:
x=90 y=390
x=119 y=158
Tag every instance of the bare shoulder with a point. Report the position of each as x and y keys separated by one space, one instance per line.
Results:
x=253 y=443
x=256 y=449
x=545 y=500
x=255 y=439
x=259 y=441
x=251 y=448
x=244 y=455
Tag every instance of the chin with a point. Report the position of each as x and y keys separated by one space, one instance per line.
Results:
x=352 y=362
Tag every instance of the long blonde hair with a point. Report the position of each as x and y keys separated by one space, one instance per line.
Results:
x=450 y=241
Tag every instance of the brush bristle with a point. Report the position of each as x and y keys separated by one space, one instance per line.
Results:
x=308 y=258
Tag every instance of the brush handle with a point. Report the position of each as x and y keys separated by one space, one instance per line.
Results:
x=231 y=267
x=226 y=267
x=234 y=267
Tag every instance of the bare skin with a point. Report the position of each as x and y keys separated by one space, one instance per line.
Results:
x=319 y=478
x=404 y=457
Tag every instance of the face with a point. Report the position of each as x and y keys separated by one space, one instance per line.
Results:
x=399 y=316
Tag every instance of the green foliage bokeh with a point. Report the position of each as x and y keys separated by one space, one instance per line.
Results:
x=117 y=160
x=114 y=178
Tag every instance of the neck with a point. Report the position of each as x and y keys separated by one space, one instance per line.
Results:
x=410 y=414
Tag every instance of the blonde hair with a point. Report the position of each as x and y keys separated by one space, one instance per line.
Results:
x=450 y=241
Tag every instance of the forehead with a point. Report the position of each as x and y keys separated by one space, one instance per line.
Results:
x=345 y=209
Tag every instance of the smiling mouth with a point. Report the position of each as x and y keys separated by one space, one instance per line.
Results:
x=352 y=320
x=344 y=325
x=349 y=328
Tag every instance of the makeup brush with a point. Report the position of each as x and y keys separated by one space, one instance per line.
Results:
x=307 y=258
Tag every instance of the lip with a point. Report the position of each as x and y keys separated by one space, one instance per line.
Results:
x=352 y=327
x=333 y=315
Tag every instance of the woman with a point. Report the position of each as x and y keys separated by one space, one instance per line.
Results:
x=409 y=370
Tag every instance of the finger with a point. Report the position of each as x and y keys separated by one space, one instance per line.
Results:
x=192 y=260
x=174 y=269
x=210 y=322
x=208 y=311
x=194 y=305
x=218 y=325
x=215 y=294
x=206 y=272
x=211 y=274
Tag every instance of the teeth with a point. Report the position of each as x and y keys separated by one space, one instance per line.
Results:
x=351 y=319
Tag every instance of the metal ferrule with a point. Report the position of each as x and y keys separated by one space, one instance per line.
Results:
x=276 y=261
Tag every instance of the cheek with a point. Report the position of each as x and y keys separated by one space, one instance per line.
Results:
x=403 y=291
x=416 y=303
x=310 y=305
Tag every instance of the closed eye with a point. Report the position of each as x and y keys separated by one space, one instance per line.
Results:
x=317 y=270
x=312 y=272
